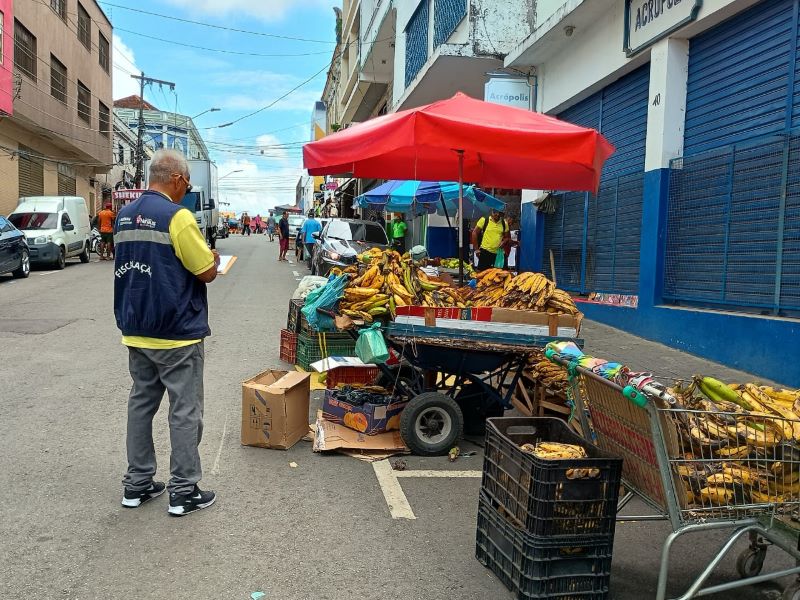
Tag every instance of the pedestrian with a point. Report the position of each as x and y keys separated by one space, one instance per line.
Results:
x=245 y=224
x=309 y=228
x=488 y=237
x=298 y=245
x=105 y=224
x=283 y=236
x=271 y=227
x=162 y=267
x=333 y=211
x=257 y=224
x=399 y=228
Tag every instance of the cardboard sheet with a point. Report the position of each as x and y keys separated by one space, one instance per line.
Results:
x=332 y=437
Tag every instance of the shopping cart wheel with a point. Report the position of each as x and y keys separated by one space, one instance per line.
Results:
x=792 y=591
x=750 y=562
x=431 y=424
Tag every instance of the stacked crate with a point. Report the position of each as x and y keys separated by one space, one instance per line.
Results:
x=288 y=349
x=546 y=527
x=312 y=347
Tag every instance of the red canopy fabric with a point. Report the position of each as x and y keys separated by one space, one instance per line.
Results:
x=503 y=147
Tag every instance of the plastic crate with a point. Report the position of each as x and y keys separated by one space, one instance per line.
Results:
x=350 y=375
x=540 y=495
x=535 y=567
x=309 y=350
x=294 y=318
x=288 y=352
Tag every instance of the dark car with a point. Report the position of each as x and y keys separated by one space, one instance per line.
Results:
x=14 y=253
x=342 y=240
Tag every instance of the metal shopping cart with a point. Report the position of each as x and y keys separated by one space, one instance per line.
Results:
x=749 y=482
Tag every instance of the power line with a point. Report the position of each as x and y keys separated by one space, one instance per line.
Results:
x=213 y=26
x=174 y=43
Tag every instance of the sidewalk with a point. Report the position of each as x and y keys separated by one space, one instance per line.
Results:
x=663 y=361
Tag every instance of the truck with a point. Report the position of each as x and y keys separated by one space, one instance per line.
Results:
x=204 y=197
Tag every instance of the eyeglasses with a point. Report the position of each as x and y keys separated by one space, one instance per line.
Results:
x=186 y=180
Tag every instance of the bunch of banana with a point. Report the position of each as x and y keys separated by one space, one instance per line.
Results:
x=492 y=277
x=549 y=375
x=561 y=302
x=554 y=450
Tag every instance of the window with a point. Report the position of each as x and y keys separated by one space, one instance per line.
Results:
x=84 y=103
x=58 y=80
x=84 y=27
x=104 y=51
x=24 y=50
x=104 y=118
x=60 y=8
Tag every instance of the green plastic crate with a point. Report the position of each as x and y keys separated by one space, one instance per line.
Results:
x=309 y=351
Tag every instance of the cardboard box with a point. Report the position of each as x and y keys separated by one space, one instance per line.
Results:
x=332 y=437
x=275 y=409
x=370 y=419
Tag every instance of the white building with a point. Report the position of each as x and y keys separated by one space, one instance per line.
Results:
x=698 y=214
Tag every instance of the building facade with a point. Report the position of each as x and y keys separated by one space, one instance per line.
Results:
x=57 y=138
x=694 y=236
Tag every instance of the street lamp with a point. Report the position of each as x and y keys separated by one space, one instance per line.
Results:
x=231 y=173
x=187 y=119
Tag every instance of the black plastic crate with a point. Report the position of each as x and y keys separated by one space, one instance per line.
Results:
x=544 y=497
x=535 y=567
x=294 y=319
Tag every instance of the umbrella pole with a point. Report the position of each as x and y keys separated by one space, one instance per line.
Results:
x=460 y=217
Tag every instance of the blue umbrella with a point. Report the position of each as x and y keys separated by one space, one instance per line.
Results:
x=427 y=197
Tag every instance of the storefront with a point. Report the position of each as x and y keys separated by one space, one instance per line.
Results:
x=694 y=236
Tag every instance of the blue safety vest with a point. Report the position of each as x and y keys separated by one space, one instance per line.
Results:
x=154 y=295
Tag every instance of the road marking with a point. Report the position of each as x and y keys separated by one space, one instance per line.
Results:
x=215 y=468
x=295 y=273
x=395 y=497
x=441 y=474
x=43 y=273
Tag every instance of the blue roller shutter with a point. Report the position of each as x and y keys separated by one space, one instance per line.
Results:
x=733 y=239
x=595 y=240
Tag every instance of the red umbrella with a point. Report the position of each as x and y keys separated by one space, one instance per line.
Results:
x=464 y=139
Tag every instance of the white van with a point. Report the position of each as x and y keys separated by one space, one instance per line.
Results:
x=56 y=227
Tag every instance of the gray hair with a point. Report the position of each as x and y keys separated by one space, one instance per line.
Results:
x=166 y=162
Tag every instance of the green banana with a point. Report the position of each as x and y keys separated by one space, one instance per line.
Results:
x=718 y=391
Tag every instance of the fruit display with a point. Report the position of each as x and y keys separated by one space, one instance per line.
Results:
x=390 y=280
x=739 y=443
x=526 y=291
x=550 y=375
x=452 y=263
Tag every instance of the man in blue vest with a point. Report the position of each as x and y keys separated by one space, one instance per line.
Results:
x=161 y=270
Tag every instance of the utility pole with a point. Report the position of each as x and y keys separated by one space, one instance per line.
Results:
x=140 y=130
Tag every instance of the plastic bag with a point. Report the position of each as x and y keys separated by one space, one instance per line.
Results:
x=500 y=259
x=307 y=284
x=326 y=298
x=371 y=347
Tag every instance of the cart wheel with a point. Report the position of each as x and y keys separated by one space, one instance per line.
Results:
x=477 y=407
x=750 y=562
x=431 y=424
x=792 y=591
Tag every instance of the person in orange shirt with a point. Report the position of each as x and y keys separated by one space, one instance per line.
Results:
x=105 y=222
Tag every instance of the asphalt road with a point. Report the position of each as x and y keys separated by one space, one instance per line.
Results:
x=322 y=530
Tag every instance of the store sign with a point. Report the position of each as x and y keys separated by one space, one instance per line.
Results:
x=126 y=196
x=510 y=91
x=647 y=21
x=332 y=185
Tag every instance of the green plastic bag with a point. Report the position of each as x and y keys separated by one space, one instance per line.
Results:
x=500 y=259
x=371 y=347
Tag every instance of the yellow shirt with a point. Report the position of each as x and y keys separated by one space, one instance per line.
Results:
x=191 y=249
x=492 y=233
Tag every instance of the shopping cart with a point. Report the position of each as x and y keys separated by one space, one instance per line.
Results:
x=667 y=456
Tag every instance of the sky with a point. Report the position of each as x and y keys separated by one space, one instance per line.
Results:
x=294 y=44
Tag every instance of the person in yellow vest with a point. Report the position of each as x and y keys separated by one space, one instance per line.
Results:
x=488 y=237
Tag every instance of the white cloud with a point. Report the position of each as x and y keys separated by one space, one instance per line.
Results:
x=265 y=10
x=124 y=67
x=259 y=187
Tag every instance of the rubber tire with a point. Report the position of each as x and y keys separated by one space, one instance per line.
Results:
x=21 y=272
x=792 y=591
x=61 y=261
x=412 y=411
x=750 y=562
x=475 y=411
x=86 y=254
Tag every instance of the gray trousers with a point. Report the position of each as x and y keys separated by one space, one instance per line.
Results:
x=180 y=373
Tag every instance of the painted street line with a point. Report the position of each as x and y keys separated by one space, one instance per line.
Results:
x=440 y=474
x=295 y=273
x=395 y=497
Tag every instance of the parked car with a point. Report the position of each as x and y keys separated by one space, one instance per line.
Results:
x=56 y=227
x=342 y=240
x=14 y=253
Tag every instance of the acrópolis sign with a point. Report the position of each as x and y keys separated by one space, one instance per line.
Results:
x=647 y=21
